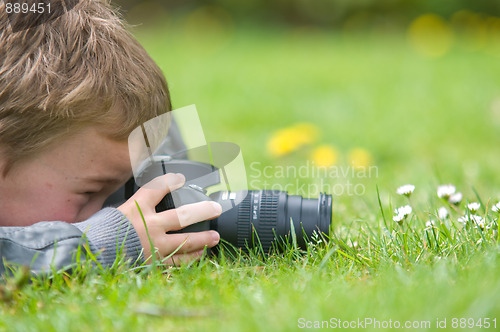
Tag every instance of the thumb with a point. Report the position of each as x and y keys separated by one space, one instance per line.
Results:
x=153 y=192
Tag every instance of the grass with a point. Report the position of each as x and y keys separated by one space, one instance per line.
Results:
x=424 y=121
x=396 y=273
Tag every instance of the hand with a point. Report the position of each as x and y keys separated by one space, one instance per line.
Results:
x=159 y=224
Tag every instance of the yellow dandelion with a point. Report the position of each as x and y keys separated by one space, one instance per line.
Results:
x=287 y=140
x=306 y=133
x=360 y=158
x=325 y=155
x=430 y=35
x=471 y=29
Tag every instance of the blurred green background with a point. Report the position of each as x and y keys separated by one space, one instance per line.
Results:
x=411 y=87
x=324 y=13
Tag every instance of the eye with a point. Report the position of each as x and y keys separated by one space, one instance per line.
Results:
x=89 y=192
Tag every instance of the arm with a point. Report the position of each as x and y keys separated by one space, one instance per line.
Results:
x=55 y=243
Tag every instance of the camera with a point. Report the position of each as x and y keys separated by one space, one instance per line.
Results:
x=174 y=143
x=250 y=218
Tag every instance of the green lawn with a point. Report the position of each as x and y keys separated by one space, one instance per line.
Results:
x=424 y=121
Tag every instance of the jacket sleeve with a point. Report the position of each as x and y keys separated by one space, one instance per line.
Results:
x=54 y=244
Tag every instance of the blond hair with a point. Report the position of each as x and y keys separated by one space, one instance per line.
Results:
x=82 y=68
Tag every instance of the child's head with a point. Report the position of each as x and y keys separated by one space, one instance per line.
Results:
x=79 y=74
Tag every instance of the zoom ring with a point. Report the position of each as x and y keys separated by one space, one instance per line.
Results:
x=243 y=221
x=264 y=205
x=268 y=217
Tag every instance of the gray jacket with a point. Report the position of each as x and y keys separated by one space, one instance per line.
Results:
x=55 y=244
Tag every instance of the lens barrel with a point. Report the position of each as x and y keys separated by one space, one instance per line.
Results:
x=270 y=214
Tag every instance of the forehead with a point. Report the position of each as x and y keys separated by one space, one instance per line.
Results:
x=89 y=153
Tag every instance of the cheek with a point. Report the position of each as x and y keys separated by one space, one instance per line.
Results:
x=58 y=203
x=47 y=203
x=92 y=206
x=69 y=208
x=34 y=202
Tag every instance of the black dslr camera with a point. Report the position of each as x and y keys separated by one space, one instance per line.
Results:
x=250 y=218
x=174 y=143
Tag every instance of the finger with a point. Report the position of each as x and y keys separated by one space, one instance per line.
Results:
x=154 y=191
x=182 y=243
x=179 y=259
x=189 y=214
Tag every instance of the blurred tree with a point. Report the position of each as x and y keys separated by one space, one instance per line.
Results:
x=328 y=13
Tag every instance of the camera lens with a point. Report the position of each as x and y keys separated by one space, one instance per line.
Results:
x=270 y=214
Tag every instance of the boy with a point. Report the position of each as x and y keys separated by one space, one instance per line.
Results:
x=71 y=90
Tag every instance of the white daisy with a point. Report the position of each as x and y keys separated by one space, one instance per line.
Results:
x=430 y=223
x=496 y=207
x=404 y=210
x=398 y=218
x=442 y=213
x=446 y=190
x=491 y=225
x=455 y=198
x=478 y=220
x=401 y=213
x=406 y=190
x=473 y=207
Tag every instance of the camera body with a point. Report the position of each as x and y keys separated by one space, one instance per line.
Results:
x=250 y=218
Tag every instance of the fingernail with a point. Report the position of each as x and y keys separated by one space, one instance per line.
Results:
x=180 y=177
x=215 y=237
x=175 y=179
x=217 y=207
